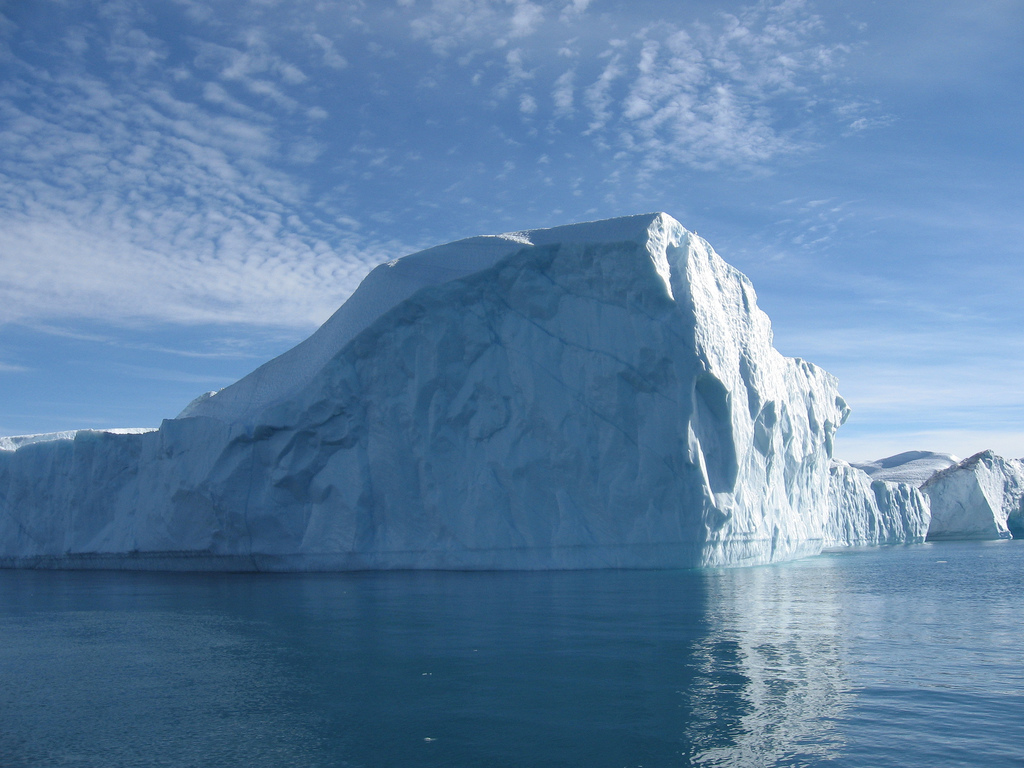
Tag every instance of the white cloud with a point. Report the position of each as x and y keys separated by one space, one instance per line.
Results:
x=562 y=93
x=573 y=9
x=516 y=71
x=198 y=11
x=713 y=96
x=598 y=95
x=869 y=123
x=331 y=57
x=526 y=17
x=76 y=40
x=137 y=48
x=452 y=23
x=255 y=68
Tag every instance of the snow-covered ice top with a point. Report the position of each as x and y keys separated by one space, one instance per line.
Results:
x=15 y=442
x=910 y=467
x=390 y=283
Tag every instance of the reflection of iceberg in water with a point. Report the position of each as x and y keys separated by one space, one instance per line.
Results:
x=769 y=678
x=739 y=667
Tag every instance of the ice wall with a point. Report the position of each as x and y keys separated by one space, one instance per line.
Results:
x=866 y=511
x=601 y=395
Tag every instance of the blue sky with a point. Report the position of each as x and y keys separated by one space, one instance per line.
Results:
x=189 y=188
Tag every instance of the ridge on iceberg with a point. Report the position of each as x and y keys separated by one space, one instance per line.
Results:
x=15 y=442
x=597 y=395
x=911 y=467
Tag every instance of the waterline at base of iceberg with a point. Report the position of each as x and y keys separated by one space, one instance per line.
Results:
x=581 y=557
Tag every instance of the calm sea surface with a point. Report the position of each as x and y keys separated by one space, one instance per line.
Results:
x=906 y=656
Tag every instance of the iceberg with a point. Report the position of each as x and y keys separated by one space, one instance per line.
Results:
x=982 y=497
x=866 y=511
x=596 y=395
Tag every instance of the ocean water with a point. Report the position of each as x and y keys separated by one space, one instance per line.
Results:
x=906 y=656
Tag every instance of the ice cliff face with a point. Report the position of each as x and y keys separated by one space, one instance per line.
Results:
x=982 y=497
x=867 y=511
x=600 y=395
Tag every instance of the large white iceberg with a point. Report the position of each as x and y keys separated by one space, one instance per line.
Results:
x=597 y=395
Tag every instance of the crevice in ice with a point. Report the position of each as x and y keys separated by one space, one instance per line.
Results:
x=253 y=448
x=764 y=428
x=578 y=396
x=753 y=396
x=653 y=386
x=21 y=527
x=713 y=414
x=634 y=306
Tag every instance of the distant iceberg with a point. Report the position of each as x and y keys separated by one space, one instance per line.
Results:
x=596 y=395
x=982 y=497
x=910 y=467
x=865 y=511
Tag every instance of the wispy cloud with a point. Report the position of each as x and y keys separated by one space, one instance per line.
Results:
x=724 y=93
x=728 y=90
x=598 y=95
x=449 y=24
x=562 y=93
x=161 y=193
x=331 y=57
x=210 y=174
x=152 y=373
